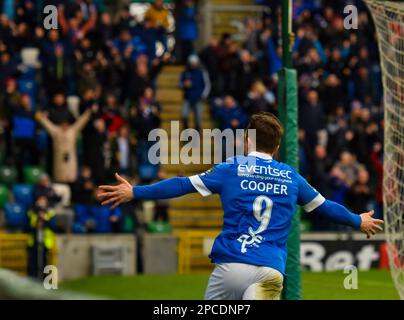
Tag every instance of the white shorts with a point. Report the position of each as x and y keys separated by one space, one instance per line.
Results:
x=238 y=281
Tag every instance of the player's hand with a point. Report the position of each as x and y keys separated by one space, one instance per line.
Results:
x=121 y=193
x=369 y=225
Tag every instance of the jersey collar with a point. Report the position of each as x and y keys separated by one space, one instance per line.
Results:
x=261 y=155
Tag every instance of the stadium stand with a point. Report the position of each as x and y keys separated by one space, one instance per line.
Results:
x=108 y=64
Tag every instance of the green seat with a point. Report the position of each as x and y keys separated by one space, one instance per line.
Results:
x=158 y=227
x=32 y=174
x=4 y=194
x=128 y=224
x=8 y=175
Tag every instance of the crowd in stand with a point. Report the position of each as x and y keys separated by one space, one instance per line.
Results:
x=109 y=61
x=93 y=78
x=340 y=95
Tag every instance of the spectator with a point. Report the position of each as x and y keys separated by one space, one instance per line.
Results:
x=273 y=55
x=88 y=101
x=195 y=84
x=138 y=82
x=227 y=62
x=209 y=57
x=349 y=167
x=338 y=185
x=24 y=134
x=331 y=94
x=64 y=146
x=257 y=100
x=129 y=47
x=82 y=18
x=149 y=36
x=58 y=111
x=7 y=69
x=122 y=147
x=252 y=36
x=360 y=194
x=96 y=149
x=86 y=76
x=44 y=189
x=311 y=117
x=84 y=190
x=319 y=167
x=57 y=70
x=158 y=17
x=143 y=120
x=246 y=73
x=229 y=114
x=41 y=224
x=150 y=99
x=187 y=29
x=362 y=84
x=112 y=115
x=10 y=102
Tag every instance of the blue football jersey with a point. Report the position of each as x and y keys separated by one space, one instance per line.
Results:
x=259 y=197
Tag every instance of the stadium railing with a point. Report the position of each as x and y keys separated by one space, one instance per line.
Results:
x=13 y=252
x=193 y=246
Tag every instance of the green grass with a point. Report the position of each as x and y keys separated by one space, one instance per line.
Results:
x=373 y=284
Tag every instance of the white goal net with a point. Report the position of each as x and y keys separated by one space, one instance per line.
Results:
x=388 y=17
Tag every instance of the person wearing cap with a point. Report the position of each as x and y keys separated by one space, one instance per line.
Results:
x=195 y=83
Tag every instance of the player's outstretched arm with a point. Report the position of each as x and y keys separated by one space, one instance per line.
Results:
x=339 y=214
x=313 y=201
x=125 y=192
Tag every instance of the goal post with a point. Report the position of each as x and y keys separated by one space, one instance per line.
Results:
x=388 y=17
x=288 y=114
x=287 y=97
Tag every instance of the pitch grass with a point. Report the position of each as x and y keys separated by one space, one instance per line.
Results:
x=372 y=285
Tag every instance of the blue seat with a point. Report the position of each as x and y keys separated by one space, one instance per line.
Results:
x=15 y=215
x=102 y=216
x=24 y=194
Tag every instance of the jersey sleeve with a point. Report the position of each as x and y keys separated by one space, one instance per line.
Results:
x=308 y=197
x=210 y=181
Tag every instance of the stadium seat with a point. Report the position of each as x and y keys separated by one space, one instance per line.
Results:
x=23 y=194
x=4 y=194
x=8 y=175
x=102 y=215
x=128 y=224
x=64 y=191
x=15 y=215
x=158 y=227
x=32 y=174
